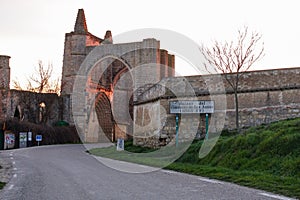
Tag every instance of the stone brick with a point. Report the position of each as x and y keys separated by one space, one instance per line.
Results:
x=264 y=97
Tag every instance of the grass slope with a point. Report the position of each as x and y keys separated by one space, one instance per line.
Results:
x=266 y=157
x=2 y=185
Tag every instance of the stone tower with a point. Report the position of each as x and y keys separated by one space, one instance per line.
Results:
x=78 y=44
x=109 y=81
x=4 y=85
x=4 y=72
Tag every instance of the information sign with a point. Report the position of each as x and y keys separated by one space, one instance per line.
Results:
x=192 y=107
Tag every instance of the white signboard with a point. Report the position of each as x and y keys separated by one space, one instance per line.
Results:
x=23 y=139
x=29 y=136
x=120 y=144
x=192 y=107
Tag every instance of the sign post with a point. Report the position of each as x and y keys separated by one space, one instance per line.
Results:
x=29 y=138
x=206 y=126
x=177 y=130
x=120 y=144
x=38 y=138
x=190 y=107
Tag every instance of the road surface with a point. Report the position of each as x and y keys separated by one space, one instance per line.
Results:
x=67 y=172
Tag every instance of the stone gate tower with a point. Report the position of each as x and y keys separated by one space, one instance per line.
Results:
x=116 y=60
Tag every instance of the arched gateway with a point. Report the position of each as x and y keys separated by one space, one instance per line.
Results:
x=101 y=80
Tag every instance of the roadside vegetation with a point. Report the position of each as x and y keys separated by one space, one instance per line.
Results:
x=265 y=157
x=52 y=134
x=2 y=185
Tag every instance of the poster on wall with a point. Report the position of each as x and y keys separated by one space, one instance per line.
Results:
x=23 y=140
x=9 y=140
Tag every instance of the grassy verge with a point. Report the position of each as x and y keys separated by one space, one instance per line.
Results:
x=2 y=185
x=265 y=157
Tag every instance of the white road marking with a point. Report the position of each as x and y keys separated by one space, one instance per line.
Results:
x=11 y=158
x=210 y=180
x=170 y=172
x=125 y=166
x=13 y=162
x=275 y=196
x=15 y=175
x=15 y=169
x=10 y=187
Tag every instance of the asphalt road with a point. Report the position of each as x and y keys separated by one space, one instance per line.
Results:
x=67 y=172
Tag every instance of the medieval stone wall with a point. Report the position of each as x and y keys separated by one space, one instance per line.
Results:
x=4 y=97
x=264 y=97
x=26 y=105
x=34 y=107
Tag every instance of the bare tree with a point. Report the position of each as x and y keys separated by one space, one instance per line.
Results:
x=41 y=81
x=42 y=78
x=17 y=85
x=232 y=59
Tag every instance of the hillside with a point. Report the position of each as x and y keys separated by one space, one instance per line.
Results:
x=266 y=157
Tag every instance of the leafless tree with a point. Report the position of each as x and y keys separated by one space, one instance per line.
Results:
x=232 y=59
x=42 y=78
x=17 y=85
x=41 y=81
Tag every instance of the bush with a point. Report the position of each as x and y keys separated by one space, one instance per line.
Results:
x=51 y=134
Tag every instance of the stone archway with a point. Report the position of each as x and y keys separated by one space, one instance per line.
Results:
x=104 y=116
x=85 y=90
x=109 y=90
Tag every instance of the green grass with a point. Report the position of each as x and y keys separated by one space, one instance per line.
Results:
x=265 y=157
x=2 y=185
x=141 y=155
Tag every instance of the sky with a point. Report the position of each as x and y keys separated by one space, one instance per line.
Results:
x=34 y=30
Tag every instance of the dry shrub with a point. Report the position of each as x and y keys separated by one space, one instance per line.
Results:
x=50 y=134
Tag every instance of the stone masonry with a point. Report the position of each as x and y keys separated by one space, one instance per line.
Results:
x=23 y=104
x=264 y=96
x=106 y=64
x=126 y=89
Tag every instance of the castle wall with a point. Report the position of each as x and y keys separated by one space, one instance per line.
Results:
x=28 y=105
x=264 y=97
x=4 y=97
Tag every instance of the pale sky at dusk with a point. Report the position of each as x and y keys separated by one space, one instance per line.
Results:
x=34 y=30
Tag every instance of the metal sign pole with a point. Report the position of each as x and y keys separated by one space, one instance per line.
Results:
x=176 y=130
x=206 y=125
